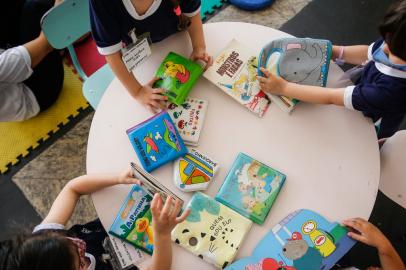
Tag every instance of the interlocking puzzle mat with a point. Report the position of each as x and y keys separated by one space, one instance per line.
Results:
x=209 y=7
x=18 y=139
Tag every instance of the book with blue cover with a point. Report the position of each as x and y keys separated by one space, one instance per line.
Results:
x=251 y=188
x=156 y=141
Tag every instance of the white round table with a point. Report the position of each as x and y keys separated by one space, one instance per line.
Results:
x=329 y=154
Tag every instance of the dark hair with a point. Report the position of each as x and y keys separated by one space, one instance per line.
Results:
x=46 y=251
x=393 y=29
x=184 y=21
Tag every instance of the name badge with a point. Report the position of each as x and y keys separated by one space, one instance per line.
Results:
x=137 y=54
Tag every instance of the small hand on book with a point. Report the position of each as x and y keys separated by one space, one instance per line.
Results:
x=153 y=98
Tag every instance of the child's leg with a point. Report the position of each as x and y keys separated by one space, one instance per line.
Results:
x=389 y=125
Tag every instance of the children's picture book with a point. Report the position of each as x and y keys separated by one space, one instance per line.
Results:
x=150 y=184
x=177 y=76
x=234 y=71
x=212 y=231
x=156 y=141
x=134 y=220
x=299 y=60
x=189 y=118
x=304 y=240
x=251 y=188
x=194 y=171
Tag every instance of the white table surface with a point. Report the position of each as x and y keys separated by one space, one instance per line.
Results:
x=329 y=154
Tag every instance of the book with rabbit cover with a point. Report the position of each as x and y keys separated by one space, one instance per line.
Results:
x=212 y=231
x=303 y=240
x=177 y=75
x=189 y=118
x=251 y=188
x=156 y=141
x=234 y=71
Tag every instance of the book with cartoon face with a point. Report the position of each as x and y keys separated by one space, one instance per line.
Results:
x=251 y=188
x=134 y=220
x=212 y=231
x=156 y=141
x=303 y=240
x=234 y=71
x=177 y=76
x=189 y=118
x=194 y=171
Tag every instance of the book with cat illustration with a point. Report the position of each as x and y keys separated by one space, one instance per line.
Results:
x=299 y=60
x=251 y=188
x=156 y=141
x=177 y=76
x=189 y=118
x=212 y=231
x=234 y=71
x=303 y=240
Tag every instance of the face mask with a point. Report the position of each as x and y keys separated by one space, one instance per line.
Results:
x=380 y=57
x=81 y=247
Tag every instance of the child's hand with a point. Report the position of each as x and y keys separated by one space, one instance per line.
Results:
x=165 y=218
x=366 y=232
x=152 y=98
x=201 y=54
x=271 y=83
x=126 y=177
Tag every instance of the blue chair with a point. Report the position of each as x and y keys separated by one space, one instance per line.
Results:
x=63 y=25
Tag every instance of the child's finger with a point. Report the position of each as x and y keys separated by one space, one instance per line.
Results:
x=155 y=209
x=352 y=223
x=176 y=209
x=357 y=237
x=209 y=61
x=167 y=207
x=153 y=80
x=159 y=97
x=182 y=217
x=266 y=72
x=262 y=79
x=158 y=91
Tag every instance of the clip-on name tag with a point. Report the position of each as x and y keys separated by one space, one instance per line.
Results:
x=137 y=52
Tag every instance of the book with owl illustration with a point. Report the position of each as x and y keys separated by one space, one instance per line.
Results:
x=212 y=231
x=177 y=76
x=251 y=188
x=194 y=171
x=234 y=71
x=134 y=220
x=299 y=60
x=189 y=118
x=303 y=240
x=156 y=141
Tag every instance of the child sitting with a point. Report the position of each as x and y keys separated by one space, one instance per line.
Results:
x=380 y=93
x=113 y=23
x=52 y=247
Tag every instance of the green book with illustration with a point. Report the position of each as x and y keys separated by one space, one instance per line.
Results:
x=177 y=76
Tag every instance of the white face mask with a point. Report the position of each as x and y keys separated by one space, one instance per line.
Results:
x=380 y=56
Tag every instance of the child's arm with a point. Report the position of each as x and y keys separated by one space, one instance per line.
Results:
x=314 y=94
x=148 y=96
x=355 y=55
x=65 y=202
x=197 y=37
x=372 y=236
x=164 y=219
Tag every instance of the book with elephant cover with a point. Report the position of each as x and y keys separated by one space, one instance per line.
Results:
x=212 y=231
x=234 y=71
x=177 y=76
x=299 y=60
x=251 y=188
x=303 y=240
x=189 y=118
x=156 y=141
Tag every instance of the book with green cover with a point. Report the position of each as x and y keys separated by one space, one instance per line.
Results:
x=177 y=76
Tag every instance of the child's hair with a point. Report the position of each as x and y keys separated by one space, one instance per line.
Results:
x=45 y=251
x=184 y=21
x=393 y=29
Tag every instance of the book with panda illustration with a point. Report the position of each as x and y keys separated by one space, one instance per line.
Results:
x=251 y=188
x=189 y=118
x=156 y=141
x=177 y=76
x=303 y=240
x=212 y=231
x=299 y=60
x=134 y=220
x=234 y=71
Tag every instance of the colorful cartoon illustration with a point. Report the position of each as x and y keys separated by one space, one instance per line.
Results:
x=151 y=145
x=143 y=227
x=322 y=241
x=287 y=246
x=176 y=71
x=212 y=231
